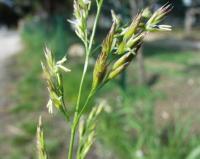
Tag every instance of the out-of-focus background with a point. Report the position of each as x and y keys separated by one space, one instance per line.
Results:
x=152 y=109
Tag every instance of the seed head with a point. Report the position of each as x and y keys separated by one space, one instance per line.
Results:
x=52 y=73
x=115 y=18
x=117 y=71
x=131 y=37
x=41 y=141
x=87 y=131
x=146 y=13
x=131 y=30
x=122 y=48
x=81 y=9
x=124 y=59
x=100 y=69
x=101 y=63
x=108 y=42
x=157 y=17
x=134 y=41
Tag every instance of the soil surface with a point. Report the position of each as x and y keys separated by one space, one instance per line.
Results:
x=10 y=44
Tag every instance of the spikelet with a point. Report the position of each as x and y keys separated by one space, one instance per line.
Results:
x=127 y=43
x=100 y=67
x=117 y=71
x=52 y=73
x=41 y=141
x=131 y=30
x=124 y=59
x=87 y=132
x=157 y=17
x=129 y=35
x=81 y=9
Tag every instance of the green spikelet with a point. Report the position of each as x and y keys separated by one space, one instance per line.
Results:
x=41 y=141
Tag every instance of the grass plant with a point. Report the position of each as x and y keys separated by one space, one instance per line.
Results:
x=118 y=50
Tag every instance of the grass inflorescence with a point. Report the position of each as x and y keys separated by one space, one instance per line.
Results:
x=121 y=44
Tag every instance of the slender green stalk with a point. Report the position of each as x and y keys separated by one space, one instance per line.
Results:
x=94 y=28
x=88 y=51
x=77 y=114
x=75 y=124
x=76 y=119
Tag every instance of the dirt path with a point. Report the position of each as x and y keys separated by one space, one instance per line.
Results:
x=180 y=102
x=10 y=44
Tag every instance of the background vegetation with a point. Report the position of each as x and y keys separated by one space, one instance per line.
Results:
x=157 y=120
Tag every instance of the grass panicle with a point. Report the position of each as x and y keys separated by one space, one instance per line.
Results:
x=53 y=75
x=117 y=52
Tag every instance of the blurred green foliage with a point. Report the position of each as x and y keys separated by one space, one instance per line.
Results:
x=127 y=129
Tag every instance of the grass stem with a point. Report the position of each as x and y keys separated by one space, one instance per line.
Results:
x=77 y=114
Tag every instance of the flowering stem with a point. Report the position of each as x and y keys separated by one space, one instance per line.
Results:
x=75 y=124
x=94 y=28
x=77 y=114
